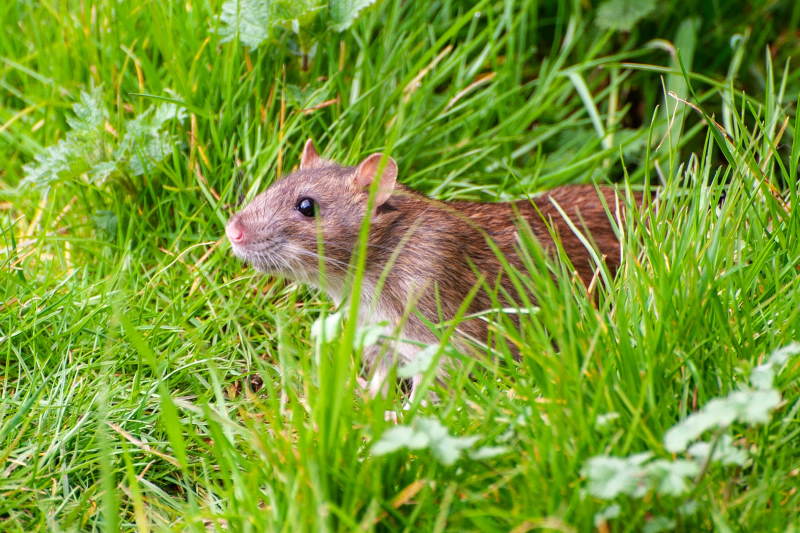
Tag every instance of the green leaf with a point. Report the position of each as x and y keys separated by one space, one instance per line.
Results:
x=611 y=476
x=421 y=362
x=425 y=433
x=144 y=143
x=657 y=524
x=90 y=113
x=296 y=13
x=754 y=406
x=255 y=22
x=446 y=448
x=716 y=413
x=762 y=376
x=345 y=12
x=622 y=15
x=400 y=437
x=487 y=452
x=88 y=149
x=724 y=452
x=368 y=335
x=612 y=511
x=689 y=508
x=604 y=421
x=747 y=406
x=781 y=355
x=246 y=19
x=105 y=222
x=81 y=149
x=672 y=477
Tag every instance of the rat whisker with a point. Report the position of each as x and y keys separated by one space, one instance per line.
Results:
x=335 y=265
x=326 y=258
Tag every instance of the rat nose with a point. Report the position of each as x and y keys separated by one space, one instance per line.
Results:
x=235 y=231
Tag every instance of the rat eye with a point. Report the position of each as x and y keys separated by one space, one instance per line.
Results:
x=306 y=206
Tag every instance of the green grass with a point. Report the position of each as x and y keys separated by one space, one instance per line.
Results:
x=129 y=333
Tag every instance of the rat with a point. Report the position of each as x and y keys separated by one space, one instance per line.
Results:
x=423 y=256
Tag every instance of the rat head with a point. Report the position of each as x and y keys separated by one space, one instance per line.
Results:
x=318 y=208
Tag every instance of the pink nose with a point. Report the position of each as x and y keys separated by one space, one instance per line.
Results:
x=235 y=231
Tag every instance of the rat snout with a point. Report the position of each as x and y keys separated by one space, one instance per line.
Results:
x=235 y=230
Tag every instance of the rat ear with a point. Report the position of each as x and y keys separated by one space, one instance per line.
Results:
x=310 y=157
x=368 y=168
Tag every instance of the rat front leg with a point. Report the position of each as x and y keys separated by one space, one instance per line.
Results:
x=378 y=360
x=378 y=363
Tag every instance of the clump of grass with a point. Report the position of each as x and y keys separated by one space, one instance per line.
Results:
x=150 y=381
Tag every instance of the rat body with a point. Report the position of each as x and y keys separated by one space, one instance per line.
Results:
x=422 y=254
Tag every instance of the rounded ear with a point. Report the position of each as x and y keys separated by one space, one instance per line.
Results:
x=367 y=171
x=310 y=157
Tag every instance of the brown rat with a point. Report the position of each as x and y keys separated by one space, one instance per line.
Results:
x=438 y=251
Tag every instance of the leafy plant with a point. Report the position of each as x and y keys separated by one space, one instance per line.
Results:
x=429 y=433
x=255 y=22
x=345 y=12
x=623 y=15
x=91 y=148
x=82 y=150
x=640 y=475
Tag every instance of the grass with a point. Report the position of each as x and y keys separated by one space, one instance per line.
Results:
x=130 y=338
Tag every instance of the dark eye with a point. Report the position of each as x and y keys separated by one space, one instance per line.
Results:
x=306 y=207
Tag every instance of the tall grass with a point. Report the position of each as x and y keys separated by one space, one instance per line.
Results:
x=150 y=381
